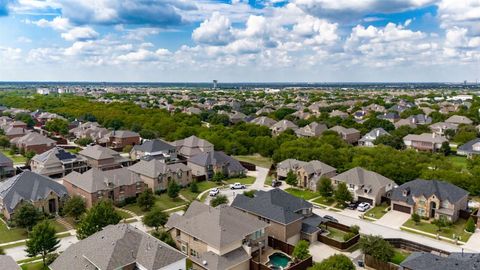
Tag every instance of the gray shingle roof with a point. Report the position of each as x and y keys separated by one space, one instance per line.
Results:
x=364 y=178
x=95 y=180
x=429 y=261
x=155 y=168
x=154 y=146
x=226 y=261
x=418 y=187
x=468 y=147
x=217 y=158
x=28 y=186
x=276 y=205
x=98 y=152
x=117 y=246
x=7 y=263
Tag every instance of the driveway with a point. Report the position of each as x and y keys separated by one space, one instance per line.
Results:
x=474 y=241
x=393 y=219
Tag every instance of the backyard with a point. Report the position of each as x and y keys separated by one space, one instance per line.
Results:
x=399 y=256
x=302 y=193
x=161 y=201
x=17 y=159
x=458 y=161
x=378 y=211
x=257 y=160
x=336 y=234
x=448 y=232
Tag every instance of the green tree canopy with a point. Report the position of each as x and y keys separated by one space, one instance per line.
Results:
x=42 y=240
x=26 y=216
x=377 y=247
x=146 y=200
x=74 y=207
x=57 y=125
x=155 y=218
x=301 y=250
x=100 y=215
x=334 y=262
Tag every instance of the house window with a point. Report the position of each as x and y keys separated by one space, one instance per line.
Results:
x=184 y=249
x=193 y=253
x=445 y=204
x=421 y=202
x=352 y=186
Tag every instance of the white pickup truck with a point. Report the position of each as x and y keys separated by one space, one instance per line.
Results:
x=237 y=186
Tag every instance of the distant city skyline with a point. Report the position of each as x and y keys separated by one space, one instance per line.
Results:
x=240 y=41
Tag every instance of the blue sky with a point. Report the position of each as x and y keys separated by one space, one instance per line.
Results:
x=240 y=40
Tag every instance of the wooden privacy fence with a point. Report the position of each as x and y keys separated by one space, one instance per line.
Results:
x=379 y=265
x=338 y=244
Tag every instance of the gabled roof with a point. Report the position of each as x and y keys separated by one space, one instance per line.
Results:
x=344 y=130
x=123 y=134
x=219 y=227
x=8 y=263
x=117 y=246
x=373 y=134
x=425 y=137
x=152 y=146
x=364 y=178
x=468 y=146
x=216 y=158
x=95 y=180
x=459 y=119
x=33 y=138
x=56 y=154
x=442 y=190
x=98 y=152
x=429 y=261
x=264 y=121
x=28 y=186
x=276 y=205
x=155 y=168
x=284 y=124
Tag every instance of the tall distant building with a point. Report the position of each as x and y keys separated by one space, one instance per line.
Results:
x=215 y=84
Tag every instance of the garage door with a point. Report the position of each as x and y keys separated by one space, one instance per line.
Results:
x=402 y=208
x=363 y=199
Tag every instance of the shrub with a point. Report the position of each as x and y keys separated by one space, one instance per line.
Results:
x=416 y=218
x=301 y=251
x=194 y=187
x=250 y=193
x=348 y=236
x=51 y=258
x=470 y=225
x=377 y=247
x=291 y=179
x=355 y=229
x=221 y=199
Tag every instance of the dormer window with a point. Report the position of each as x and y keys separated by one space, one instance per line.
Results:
x=406 y=192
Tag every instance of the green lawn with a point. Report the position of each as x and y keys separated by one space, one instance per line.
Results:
x=324 y=201
x=257 y=160
x=336 y=234
x=457 y=229
x=268 y=180
x=301 y=193
x=34 y=266
x=11 y=235
x=202 y=186
x=58 y=227
x=15 y=158
x=458 y=161
x=161 y=201
x=124 y=214
x=399 y=256
x=244 y=180
x=377 y=212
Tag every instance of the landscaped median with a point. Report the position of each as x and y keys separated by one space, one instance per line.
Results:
x=447 y=233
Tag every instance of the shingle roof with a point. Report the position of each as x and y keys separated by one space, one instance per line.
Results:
x=219 y=227
x=276 y=205
x=364 y=178
x=7 y=263
x=33 y=138
x=217 y=158
x=28 y=186
x=94 y=179
x=263 y=121
x=154 y=146
x=98 y=152
x=442 y=190
x=226 y=261
x=468 y=146
x=429 y=261
x=155 y=168
x=123 y=134
x=117 y=246
x=56 y=154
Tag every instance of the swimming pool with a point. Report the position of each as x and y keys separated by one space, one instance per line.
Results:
x=278 y=260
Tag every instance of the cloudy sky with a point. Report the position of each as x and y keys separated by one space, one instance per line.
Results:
x=240 y=40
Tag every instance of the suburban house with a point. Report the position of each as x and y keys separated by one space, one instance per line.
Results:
x=430 y=261
x=366 y=186
x=290 y=218
x=424 y=142
x=350 y=135
x=14 y=132
x=6 y=167
x=57 y=162
x=392 y=117
x=308 y=173
x=94 y=185
x=120 y=246
x=282 y=126
x=370 y=137
x=91 y=130
x=439 y=128
x=430 y=199
x=220 y=238
x=207 y=164
x=118 y=139
x=33 y=142
x=8 y=263
x=337 y=113
x=191 y=146
x=103 y=158
x=264 y=121
x=458 y=119
x=470 y=148
x=44 y=193
x=156 y=174
x=312 y=130
x=154 y=149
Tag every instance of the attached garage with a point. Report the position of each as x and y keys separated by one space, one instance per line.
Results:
x=402 y=208
x=363 y=199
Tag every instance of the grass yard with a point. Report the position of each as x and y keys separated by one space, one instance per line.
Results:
x=11 y=235
x=399 y=256
x=202 y=186
x=34 y=266
x=336 y=234
x=58 y=227
x=302 y=193
x=378 y=211
x=257 y=160
x=324 y=201
x=124 y=214
x=16 y=158
x=457 y=229
x=161 y=201
x=458 y=161
x=268 y=180
x=245 y=180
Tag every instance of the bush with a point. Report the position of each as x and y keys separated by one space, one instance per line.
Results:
x=470 y=225
x=127 y=149
x=165 y=237
x=355 y=229
x=377 y=247
x=51 y=258
x=291 y=179
x=301 y=251
x=334 y=262
x=250 y=193
x=173 y=189
x=416 y=218
x=218 y=177
x=194 y=187
x=220 y=199
x=348 y=236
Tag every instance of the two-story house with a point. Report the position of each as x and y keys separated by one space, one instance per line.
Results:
x=103 y=158
x=311 y=130
x=350 y=135
x=439 y=128
x=308 y=173
x=57 y=162
x=205 y=165
x=430 y=199
x=157 y=174
x=365 y=185
x=154 y=149
x=282 y=126
x=34 y=142
x=192 y=146
x=369 y=138
x=220 y=238
x=118 y=139
x=424 y=142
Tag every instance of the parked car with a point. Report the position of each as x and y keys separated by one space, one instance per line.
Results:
x=276 y=183
x=364 y=206
x=353 y=205
x=214 y=192
x=237 y=186
x=330 y=218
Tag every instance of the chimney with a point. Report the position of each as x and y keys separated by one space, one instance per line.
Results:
x=378 y=132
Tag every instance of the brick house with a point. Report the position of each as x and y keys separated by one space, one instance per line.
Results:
x=308 y=173
x=156 y=174
x=34 y=142
x=121 y=138
x=103 y=158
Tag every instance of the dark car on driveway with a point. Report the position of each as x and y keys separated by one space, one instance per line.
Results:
x=276 y=183
x=353 y=205
x=330 y=218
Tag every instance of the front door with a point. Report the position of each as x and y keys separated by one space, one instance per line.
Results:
x=433 y=205
x=52 y=206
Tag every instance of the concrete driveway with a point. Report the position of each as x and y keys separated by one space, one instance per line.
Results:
x=393 y=219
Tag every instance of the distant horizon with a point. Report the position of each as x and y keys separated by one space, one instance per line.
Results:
x=243 y=82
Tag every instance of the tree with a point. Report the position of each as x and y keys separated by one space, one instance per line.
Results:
x=165 y=237
x=42 y=240
x=220 y=199
x=291 y=179
x=301 y=251
x=441 y=223
x=173 y=189
x=147 y=134
x=334 y=262
x=4 y=142
x=84 y=141
x=127 y=148
x=146 y=200
x=416 y=218
x=57 y=126
x=377 y=247
x=250 y=193
x=445 y=149
x=325 y=187
x=74 y=207
x=470 y=225
x=155 y=218
x=100 y=215
x=342 y=194
x=26 y=216
x=194 y=187
x=218 y=177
